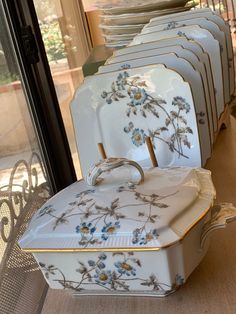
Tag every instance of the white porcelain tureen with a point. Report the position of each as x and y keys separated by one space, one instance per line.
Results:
x=126 y=231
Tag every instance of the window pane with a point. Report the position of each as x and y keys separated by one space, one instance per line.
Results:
x=63 y=28
x=23 y=185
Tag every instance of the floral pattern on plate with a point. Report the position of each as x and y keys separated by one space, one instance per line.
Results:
x=116 y=275
x=140 y=102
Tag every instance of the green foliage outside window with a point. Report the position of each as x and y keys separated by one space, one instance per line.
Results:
x=53 y=41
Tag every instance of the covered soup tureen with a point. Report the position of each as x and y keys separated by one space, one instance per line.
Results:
x=125 y=230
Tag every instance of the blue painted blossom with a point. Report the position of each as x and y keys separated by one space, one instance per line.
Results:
x=102 y=256
x=138 y=96
x=121 y=80
x=125 y=268
x=152 y=235
x=91 y=263
x=103 y=277
x=181 y=103
x=85 y=228
x=181 y=34
x=125 y=66
x=110 y=229
x=140 y=238
x=46 y=210
x=138 y=137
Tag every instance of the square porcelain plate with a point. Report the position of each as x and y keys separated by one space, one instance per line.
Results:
x=120 y=109
x=190 y=75
x=179 y=52
x=214 y=30
x=189 y=45
x=209 y=44
x=211 y=16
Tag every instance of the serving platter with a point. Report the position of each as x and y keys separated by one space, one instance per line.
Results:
x=213 y=28
x=144 y=101
x=209 y=44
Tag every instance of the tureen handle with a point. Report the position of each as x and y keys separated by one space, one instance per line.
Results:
x=223 y=214
x=109 y=164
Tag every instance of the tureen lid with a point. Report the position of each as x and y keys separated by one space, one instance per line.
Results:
x=114 y=214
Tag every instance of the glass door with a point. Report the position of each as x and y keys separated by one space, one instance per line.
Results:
x=67 y=44
x=31 y=168
x=24 y=183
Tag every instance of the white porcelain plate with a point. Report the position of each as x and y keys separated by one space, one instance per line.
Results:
x=138 y=18
x=207 y=41
x=120 y=109
x=214 y=30
x=138 y=6
x=190 y=75
x=196 y=81
x=121 y=29
x=191 y=45
x=211 y=16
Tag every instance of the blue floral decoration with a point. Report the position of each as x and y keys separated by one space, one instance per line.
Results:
x=125 y=268
x=153 y=234
x=85 y=228
x=110 y=229
x=102 y=256
x=138 y=96
x=125 y=66
x=138 y=137
x=141 y=239
x=121 y=80
x=103 y=277
x=181 y=103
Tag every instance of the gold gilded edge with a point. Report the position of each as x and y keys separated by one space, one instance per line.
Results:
x=119 y=249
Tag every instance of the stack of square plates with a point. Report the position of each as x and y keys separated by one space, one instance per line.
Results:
x=172 y=83
x=120 y=23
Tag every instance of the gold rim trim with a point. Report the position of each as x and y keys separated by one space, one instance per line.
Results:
x=119 y=249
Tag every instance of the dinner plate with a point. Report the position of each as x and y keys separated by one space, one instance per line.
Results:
x=119 y=37
x=211 y=16
x=138 y=6
x=121 y=108
x=121 y=29
x=138 y=18
x=190 y=75
x=180 y=51
x=195 y=47
x=209 y=44
x=215 y=31
x=117 y=44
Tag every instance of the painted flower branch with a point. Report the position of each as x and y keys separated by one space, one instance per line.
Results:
x=143 y=103
x=117 y=277
x=99 y=222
